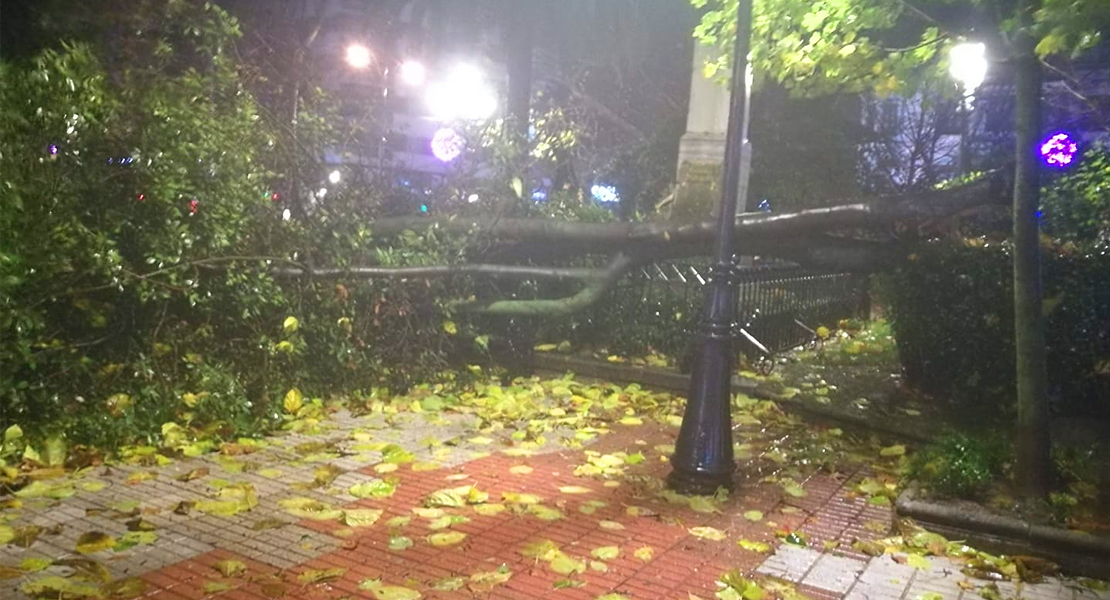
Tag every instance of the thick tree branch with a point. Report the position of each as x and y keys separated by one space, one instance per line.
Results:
x=588 y=295
x=606 y=238
x=519 y=271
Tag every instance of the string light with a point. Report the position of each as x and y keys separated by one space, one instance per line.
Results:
x=447 y=144
x=606 y=194
x=1059 y=150
x=194 y=204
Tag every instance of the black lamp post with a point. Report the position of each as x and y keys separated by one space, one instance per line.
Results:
x=703 y=454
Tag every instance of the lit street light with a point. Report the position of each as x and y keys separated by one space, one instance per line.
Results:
x=413 y=73
x=335 y=176
x=967 y=64
x=465 y=94
x=358 y=56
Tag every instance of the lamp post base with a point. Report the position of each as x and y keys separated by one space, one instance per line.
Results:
x=693 y=483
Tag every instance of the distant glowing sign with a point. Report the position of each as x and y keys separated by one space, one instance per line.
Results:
x=605 y=194
x=1059 y=150
x=447 y=144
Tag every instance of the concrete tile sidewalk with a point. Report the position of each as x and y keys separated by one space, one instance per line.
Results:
x=279 y=555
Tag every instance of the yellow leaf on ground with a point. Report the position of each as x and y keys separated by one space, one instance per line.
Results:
x=708 y=533
x=94 y=541
x=310 y=576
x=574 y=489
x=446 y=538
x=230 y=568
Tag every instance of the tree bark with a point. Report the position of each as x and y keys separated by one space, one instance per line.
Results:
x=1032 y=462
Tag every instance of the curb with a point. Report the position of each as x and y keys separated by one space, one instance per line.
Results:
x=654 y=377
x=677 y=383
x=1077 y=552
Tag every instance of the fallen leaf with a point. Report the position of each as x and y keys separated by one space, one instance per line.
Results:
x=605 y=552
x=446 y=538
x=520 y=470
x=708 y=533
x=644 y=553
x=361 y=517
x=307 y=508
x=754 y=546
x=194 y=474
x=489 y=510
x=574 y=489
x=59 y=587
x=311 y=576
x=134 y=538
x=753 y=515
x=230 y=567
x=566 y=565
x=94 y=541
x=381 y=591
x=373 y=489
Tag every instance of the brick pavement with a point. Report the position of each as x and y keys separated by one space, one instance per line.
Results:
x=283 y=556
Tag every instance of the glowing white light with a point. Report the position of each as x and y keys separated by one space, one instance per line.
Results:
x=320 y=193
x=465 y=94
x=358 y=56
x=967 y=64
x=413 y=73
x=447 y=144
x=472 y=198
x=286 y=215
x=605 y=193
x=335 y=176
x=466 y=75
x=440 y=102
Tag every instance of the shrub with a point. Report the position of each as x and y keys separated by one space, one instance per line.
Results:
x=952 y=307
x=955 y=465
x=125 y=305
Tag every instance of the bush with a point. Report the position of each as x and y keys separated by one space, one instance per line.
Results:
x=138 y=234
x=955 y=465
x=952 y=307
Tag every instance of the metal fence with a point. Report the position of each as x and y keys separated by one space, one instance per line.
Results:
x=780 y=305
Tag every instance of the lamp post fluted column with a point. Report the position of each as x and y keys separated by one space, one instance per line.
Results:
x=703 y=458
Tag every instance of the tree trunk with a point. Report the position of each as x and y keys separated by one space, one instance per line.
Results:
x=1032 y=465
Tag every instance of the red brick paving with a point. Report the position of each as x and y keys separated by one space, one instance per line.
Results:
x=681 y=563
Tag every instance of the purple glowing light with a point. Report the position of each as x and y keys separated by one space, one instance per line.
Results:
x=52 y=149
x=447 y=144
x=1059 y=150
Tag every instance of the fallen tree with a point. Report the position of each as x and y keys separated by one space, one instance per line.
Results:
x=854 y=237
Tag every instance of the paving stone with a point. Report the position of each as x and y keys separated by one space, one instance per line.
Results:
x=834 y=573
x=789 y=562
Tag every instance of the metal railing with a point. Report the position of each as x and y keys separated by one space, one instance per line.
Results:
x=780 y=305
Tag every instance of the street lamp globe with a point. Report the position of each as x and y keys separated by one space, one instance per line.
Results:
x=413 y=73
x=358 y=56
x=967 y=64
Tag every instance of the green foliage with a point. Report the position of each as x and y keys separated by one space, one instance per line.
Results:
x=885 y=46
x=827 y=45
x=952 y=306
x=955 y=465
x=126 y=306
x=1077 y=205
